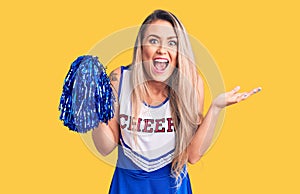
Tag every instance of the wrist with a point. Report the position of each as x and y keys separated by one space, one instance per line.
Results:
x=215 y=108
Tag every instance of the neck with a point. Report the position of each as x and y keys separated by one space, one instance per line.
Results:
x=157 y=93
x=157 y=88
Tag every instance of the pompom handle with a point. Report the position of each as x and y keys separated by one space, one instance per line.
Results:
x=87 y=96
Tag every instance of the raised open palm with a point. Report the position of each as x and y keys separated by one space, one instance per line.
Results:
x=233 y=96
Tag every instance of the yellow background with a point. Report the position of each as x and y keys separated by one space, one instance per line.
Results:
x=255 y=43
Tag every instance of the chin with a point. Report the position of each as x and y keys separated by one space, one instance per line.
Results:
x=160 y=78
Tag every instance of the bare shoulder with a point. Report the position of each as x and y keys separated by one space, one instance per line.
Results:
x=114 y=76
x=200 y=83
x=200 y=91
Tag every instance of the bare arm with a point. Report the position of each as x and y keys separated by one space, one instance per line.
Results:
x=106 y=137
x=205 y=132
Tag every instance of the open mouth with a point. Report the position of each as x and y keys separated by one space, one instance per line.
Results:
x=160 y=64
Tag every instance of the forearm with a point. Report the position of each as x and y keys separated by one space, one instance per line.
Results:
x=105 y=138
x=204 y=134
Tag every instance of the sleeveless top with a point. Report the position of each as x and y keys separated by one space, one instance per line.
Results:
x=152 y=145
x=145 y=157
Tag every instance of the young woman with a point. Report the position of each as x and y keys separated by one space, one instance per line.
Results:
x=158 y=126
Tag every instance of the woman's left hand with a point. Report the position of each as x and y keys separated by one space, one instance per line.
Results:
x=233 y=97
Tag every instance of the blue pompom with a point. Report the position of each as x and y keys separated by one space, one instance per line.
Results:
x=87 y=96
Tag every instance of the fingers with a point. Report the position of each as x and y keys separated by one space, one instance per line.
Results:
x=235 y=90
x=245 y=95
x=257 y=89
x=254 y=91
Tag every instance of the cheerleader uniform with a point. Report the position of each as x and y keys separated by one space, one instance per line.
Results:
x=145 y=156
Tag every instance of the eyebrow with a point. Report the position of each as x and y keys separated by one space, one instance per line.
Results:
x=170 y=37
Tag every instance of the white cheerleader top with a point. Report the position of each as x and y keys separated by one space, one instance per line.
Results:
x=154 y=145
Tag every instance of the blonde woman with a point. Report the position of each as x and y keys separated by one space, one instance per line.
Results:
x=158 y=126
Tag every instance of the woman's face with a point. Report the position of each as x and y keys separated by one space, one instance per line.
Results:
x=159 y=50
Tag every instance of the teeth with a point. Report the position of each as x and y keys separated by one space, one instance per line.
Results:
x=161 y=60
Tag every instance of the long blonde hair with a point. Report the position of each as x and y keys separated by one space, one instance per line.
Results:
x=182 y=87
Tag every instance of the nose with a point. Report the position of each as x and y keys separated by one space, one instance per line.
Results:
x=161 y=50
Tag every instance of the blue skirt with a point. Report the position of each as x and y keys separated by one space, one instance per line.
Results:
x=128 y=179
